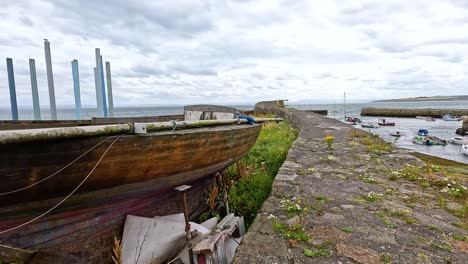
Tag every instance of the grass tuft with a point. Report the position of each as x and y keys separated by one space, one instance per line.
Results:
x=252 y=185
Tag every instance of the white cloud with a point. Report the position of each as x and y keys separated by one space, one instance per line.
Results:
x=181 y=51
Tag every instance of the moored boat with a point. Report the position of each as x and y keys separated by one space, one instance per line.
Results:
x=81 y=182
x=384 y=122
x=396 y=134
x=458 y=141
x=423 y=132
x=429 y=118
x=464 y=149
x=450 y=118
x=353 y=119
x=429 y=141
x=369 y=125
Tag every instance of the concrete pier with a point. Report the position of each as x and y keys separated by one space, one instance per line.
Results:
x=344 y=205
x=397 y=112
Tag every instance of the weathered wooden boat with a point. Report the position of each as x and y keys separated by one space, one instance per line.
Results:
x=384 y=122
x=86 y=179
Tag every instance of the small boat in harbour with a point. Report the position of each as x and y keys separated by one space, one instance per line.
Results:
x=353 y=119
x=369 y=125
x=464 y=149
x=458 y=141
x=429 y=141
x=426 y=118
x=450 y=118
x=423 y=132
x=384 y=122
x=396 y=134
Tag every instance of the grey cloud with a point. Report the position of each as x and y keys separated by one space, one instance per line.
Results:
x=186 y=50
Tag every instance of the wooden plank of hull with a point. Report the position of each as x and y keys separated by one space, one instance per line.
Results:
x=133 y=178
x=132 y=159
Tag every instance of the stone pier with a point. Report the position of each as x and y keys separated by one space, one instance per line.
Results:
x=397 y=112
x=352 y=204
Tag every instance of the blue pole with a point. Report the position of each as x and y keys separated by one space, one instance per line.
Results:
x=76 y=88
x=109 y=89
x=11 y=84
x=50 y=80
x=103 y=87
x=97 y=83
x=35 y=93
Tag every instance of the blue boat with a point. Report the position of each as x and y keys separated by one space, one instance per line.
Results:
x=423 y=132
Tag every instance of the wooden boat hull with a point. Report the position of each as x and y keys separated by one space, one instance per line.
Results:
x=136 y=177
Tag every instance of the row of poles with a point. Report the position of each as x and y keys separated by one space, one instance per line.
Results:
x=102 y=100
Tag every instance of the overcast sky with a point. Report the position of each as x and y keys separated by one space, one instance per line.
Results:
x=181 y=51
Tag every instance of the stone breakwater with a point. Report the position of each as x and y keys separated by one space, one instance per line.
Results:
x=355 y=203
x=396 y=112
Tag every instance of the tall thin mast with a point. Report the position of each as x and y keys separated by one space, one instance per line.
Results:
x=344 y=105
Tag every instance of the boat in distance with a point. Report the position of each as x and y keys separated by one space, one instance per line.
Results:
x=91 y=177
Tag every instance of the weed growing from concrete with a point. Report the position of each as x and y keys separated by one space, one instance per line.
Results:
x=385 y=258
x=372 y=197
x=458 y=237
x=296 y=232
x=328 y=158
x=368 y=178
x=434 y=228
x=312 y=253
x=347 y=229
x=322 y=198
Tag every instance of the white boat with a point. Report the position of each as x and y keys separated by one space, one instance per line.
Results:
x=458 y=141
x=369 y=125
x=450 y=118
x=464 y=149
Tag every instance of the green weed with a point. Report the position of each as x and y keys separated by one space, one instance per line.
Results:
x=295 y=232
x=251 y=187
x=312 y=253
x=347 y=229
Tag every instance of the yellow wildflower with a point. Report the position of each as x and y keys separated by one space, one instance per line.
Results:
x=329 y=140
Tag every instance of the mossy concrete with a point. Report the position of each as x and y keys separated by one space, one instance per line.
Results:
x=406 y=222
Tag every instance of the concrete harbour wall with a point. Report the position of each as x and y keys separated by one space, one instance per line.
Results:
x=396 y=112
